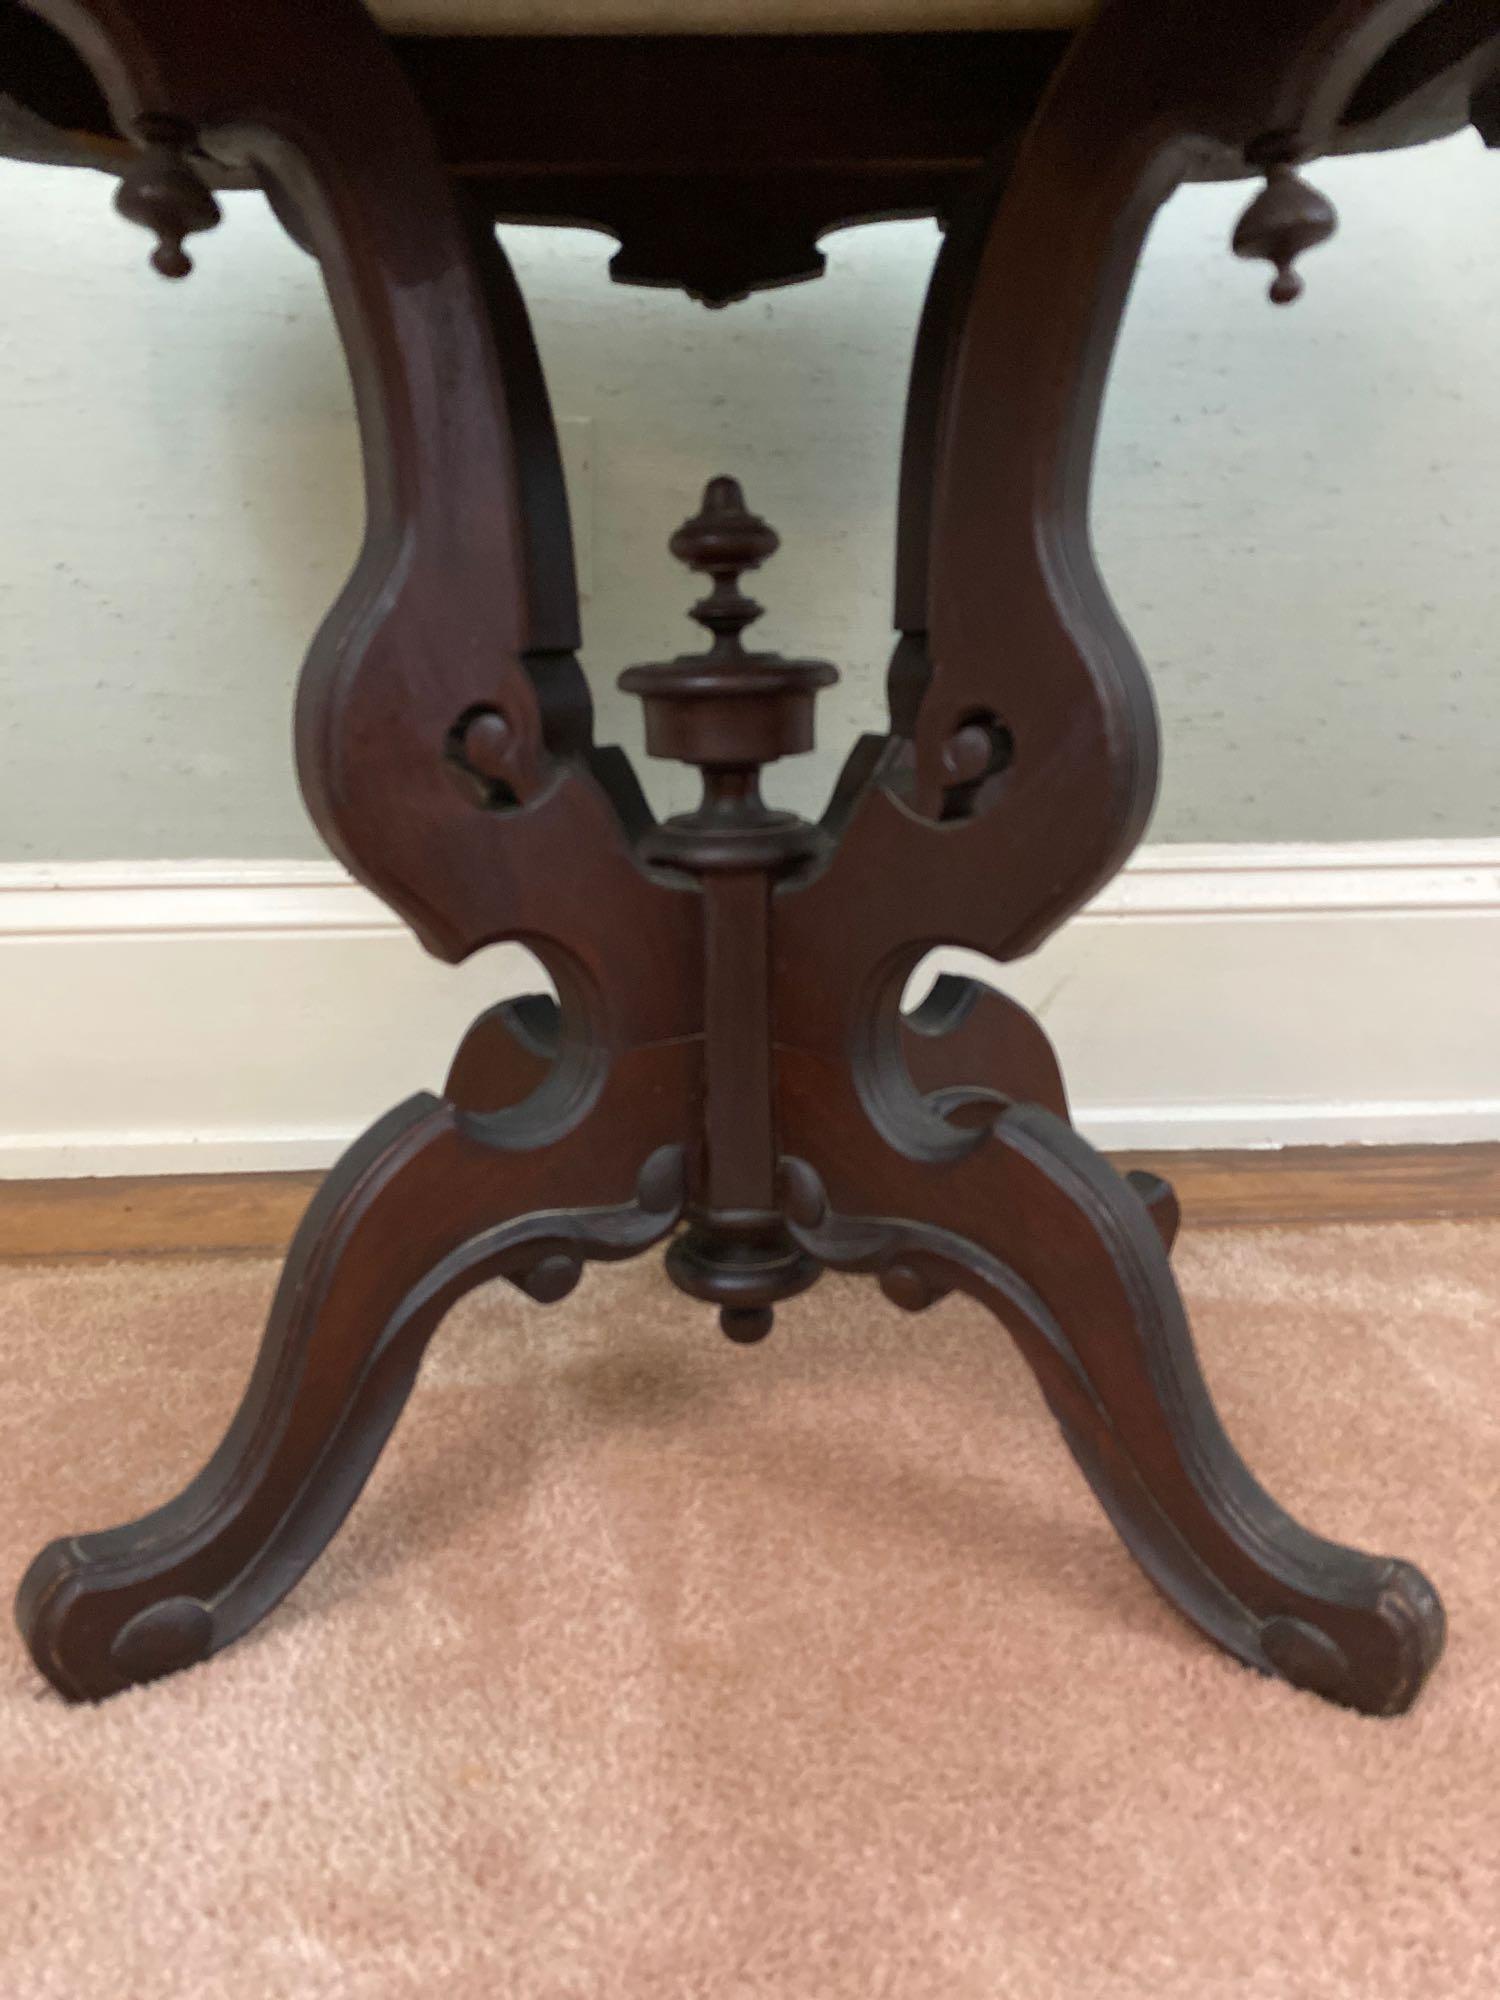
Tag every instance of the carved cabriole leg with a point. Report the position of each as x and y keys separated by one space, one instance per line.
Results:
x=445 y=750
x=405 y=1225
x=451 y=652
x=585 y=1161
x=1036 y=1226
x=1019 y=774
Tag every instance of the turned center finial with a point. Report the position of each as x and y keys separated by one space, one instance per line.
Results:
x=727 y=710
x=723 y=540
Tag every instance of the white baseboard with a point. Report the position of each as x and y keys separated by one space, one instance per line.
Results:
x=171 y=1017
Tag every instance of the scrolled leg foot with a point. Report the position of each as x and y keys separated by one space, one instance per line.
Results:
x=404 y=1226
x=1072 y=1258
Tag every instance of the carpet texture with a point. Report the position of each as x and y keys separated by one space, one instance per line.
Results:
x=652 y=1667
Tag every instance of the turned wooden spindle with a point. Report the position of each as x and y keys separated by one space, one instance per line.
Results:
x=729 y=712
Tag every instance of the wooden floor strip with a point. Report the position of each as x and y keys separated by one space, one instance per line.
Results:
x=259 y=1212
x=1330 y=1183
x=82 y=1218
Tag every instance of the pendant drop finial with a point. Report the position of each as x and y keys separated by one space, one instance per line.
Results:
x=161 y=191
x=1286 y=219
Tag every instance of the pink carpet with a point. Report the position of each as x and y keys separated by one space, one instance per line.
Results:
x=652 y=1667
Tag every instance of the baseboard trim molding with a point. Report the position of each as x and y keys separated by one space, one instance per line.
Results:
x=171 y=1018
x=1233 y=1128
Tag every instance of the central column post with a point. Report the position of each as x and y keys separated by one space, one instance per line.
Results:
x=729 y=712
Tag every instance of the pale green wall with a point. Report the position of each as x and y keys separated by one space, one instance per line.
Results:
x=1296 y=510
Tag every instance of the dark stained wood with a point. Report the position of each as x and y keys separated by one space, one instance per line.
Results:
x=1286 y=220
x=944 y=312
x=729 y=712
x=728 y=1051
x=160 y=191
x=508 y=1053
x=1161 y=1202
x=664 y=142
x=1022 y=642
x=1484 y=106
x=413 y=1217
x=718 y=163
x=455 y=611
x=1038 y=1227
x=1444 y=47
x=964 y=1034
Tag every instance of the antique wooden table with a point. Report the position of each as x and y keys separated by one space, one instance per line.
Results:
x=727 y=1067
